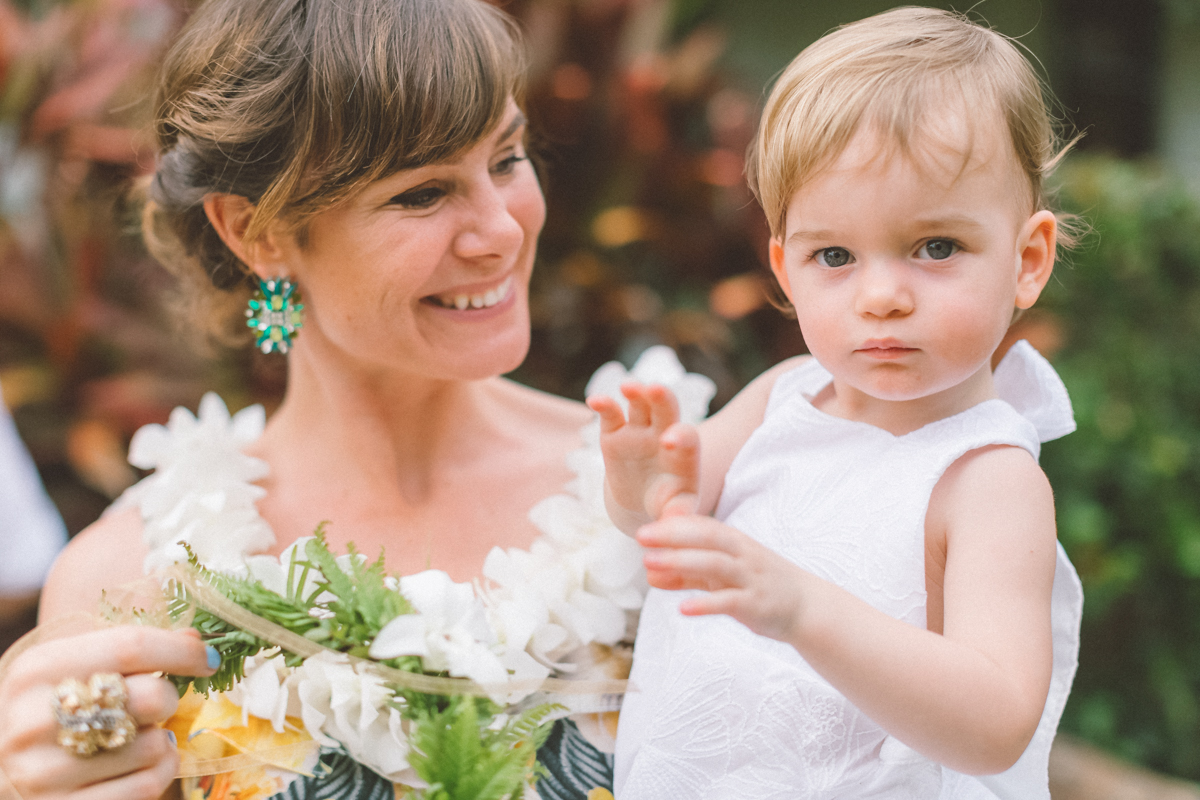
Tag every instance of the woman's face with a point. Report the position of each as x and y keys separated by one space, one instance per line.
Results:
x=427 y=271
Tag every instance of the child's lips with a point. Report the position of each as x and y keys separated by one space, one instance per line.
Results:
x=885 y=349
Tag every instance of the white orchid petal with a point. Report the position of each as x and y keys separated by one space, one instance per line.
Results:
x=213 y=410
x=248 y=424
x=403 y=636
x=427 y=591
x=149 y=446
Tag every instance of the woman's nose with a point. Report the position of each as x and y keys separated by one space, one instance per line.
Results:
x=883 y=290
x=490 y=228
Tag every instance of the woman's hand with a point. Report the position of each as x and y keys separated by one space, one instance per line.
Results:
x=756 y=586
x=40 y=769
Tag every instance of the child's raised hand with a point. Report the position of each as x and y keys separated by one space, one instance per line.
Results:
x=651 y=460
x=754 y=585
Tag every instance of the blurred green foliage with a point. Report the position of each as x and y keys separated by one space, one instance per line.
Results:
x=1127 y=483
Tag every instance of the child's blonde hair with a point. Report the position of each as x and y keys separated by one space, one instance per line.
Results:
x=889 y=71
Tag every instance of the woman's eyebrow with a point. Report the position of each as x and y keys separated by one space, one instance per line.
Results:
x=517 y=121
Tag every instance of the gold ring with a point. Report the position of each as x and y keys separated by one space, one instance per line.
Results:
x=92 y=717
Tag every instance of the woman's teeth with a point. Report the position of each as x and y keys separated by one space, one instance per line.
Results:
x=485 y=300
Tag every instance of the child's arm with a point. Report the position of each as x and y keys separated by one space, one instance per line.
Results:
x=655 y=465
x=969 y=697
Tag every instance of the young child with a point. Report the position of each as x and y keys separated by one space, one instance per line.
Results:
x=888 y=613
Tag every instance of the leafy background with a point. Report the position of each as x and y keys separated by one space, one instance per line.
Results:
x=643 y=110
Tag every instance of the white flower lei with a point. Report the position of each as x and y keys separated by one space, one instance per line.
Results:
x=580 y=582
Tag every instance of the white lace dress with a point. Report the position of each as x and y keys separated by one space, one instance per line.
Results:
x=720 y=712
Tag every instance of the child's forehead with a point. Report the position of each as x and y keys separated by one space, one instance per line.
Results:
x=954 y=172
x=942 y=155
x=942 y=152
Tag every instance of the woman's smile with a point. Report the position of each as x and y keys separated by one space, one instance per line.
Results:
x=475 y=297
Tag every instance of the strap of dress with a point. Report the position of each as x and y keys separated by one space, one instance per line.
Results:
x=805 y=380
x=1026 y=381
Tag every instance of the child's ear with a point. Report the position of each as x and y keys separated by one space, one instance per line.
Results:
x=230 y=216
x=775 y=254
x=1035 y=254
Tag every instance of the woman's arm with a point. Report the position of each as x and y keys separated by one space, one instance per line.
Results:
x=970 y=697
x=106 y=555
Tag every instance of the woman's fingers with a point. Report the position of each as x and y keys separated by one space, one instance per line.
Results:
x=51 y=770
x=29 y=754
x=30 y=715
x=147 y=784
x=128 y=650
x=151 y=700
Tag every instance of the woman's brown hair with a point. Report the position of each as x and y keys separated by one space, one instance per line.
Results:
x=297 y=104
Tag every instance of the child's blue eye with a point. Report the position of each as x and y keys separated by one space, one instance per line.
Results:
x=833 y=257
x=937 y=249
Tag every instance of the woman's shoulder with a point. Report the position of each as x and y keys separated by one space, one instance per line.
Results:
x=104 y=556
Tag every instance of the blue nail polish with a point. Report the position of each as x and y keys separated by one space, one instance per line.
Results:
x=214 y=657
x=171 y=736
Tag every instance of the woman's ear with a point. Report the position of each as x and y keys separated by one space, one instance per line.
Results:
x=230 y=216
x=1036 y=249
x=775 y=254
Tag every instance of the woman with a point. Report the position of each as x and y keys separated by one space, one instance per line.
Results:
x=372 y=153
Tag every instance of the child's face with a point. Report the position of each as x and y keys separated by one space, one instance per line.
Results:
x=905 y=271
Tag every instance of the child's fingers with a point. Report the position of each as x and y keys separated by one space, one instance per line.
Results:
x=680 y=504
x=691 y=531
x=725 y=601
x=639 y=404
x=664 y=408
x=695 y=569
x=612 y=419
x=680 y=455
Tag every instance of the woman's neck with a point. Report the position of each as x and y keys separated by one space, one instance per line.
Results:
x=383 y=429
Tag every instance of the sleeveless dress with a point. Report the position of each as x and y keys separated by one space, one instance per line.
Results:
x=581 y=577
x=716 y=711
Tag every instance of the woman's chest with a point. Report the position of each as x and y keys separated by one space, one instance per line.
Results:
x=450 y=525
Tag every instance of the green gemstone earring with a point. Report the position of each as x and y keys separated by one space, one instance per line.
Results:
x=276 y=313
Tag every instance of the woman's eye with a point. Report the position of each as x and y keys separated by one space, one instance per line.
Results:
x=937 y=249
x=422 y=197
x=506 y=165
x=833 y=257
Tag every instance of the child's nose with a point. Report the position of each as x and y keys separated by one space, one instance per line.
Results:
x=883 y=291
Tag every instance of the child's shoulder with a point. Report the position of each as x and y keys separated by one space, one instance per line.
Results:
x=752 y=400
x=976 y=494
